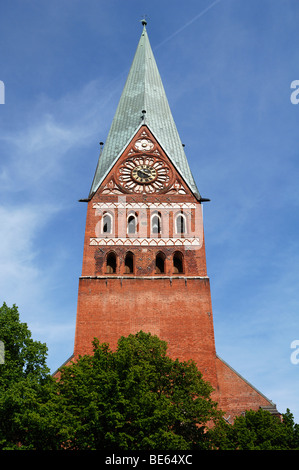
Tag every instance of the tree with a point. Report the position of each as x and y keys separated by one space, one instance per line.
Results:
x=257 y=430
x=23 y=356
x=135 y=398
x=27 y=392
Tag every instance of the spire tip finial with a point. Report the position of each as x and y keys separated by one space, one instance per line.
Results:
x=143 y=21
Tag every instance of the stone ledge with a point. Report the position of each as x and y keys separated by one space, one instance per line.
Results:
x=130 y=276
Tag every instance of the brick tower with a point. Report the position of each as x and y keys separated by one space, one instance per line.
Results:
x=144 y=263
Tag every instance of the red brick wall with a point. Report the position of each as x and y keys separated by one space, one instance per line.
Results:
x=235 y=394
x=177 y=310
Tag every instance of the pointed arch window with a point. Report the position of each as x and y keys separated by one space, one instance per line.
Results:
x=178 y=267
x=180 y=224
x=160 y=263
x=111 y=263
x=107 y=223
x=129 y=263
x=156 y=223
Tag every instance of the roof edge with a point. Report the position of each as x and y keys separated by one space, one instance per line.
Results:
x=94 y=190
x=246 y=381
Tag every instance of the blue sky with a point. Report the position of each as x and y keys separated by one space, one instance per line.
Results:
x=227 y=67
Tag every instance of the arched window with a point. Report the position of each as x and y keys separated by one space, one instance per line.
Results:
x=178 y=262
x=160 y=263
x=156 y=223
x=111 y=263
x=129 y=263
x=107 y=223
x=132 y=224
x=180 y=224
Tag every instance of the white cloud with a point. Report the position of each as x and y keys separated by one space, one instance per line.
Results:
x=39 y=158
x=34 y=282
x=19 y=228
x=37 y=153
x=35 y=165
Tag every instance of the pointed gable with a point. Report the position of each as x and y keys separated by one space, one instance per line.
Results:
x=143 y=100
x=143 y=149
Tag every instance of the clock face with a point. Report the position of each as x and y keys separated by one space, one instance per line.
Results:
x=144 y=174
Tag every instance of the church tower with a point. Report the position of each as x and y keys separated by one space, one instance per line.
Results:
x=144 y=263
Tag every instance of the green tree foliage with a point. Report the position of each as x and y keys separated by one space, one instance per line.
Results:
x=23 y=356
x=27 y=391
x=257 y=430
x=135 y=398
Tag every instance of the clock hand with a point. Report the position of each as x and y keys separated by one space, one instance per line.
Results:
x=143 y=174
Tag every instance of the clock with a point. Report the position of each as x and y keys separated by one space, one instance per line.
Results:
x=144 y=174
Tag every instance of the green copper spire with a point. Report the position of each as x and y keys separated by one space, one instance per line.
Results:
x=143 y=101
